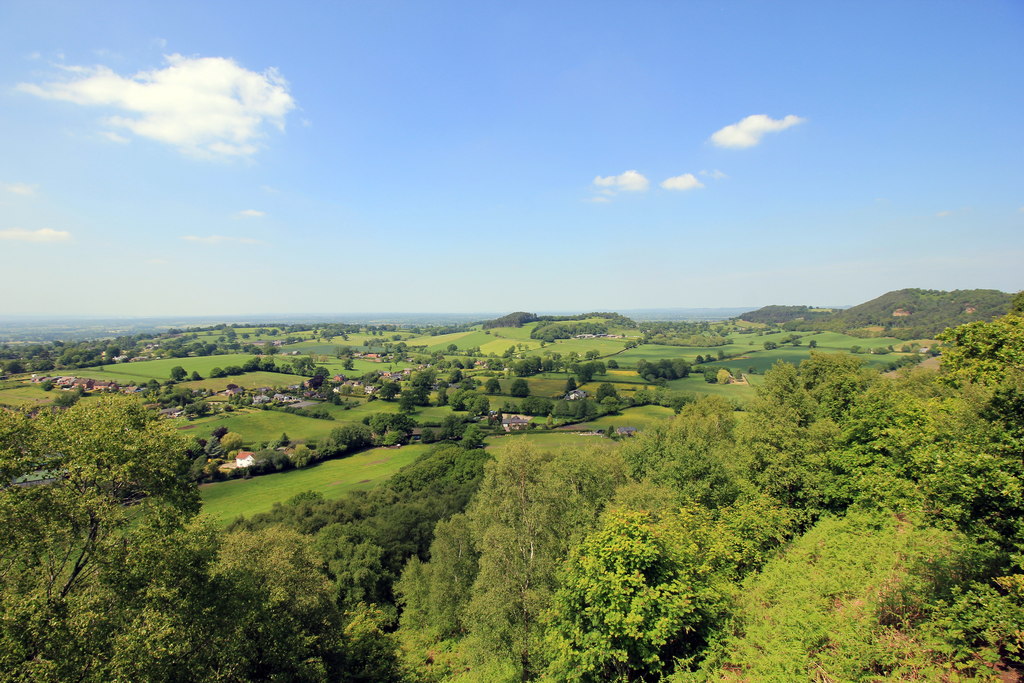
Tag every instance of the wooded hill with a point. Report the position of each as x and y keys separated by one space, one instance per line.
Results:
x=904 y=313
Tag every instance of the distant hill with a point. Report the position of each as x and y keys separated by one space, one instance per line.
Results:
x=904 y=313
x=785 y=314
x=925 y=312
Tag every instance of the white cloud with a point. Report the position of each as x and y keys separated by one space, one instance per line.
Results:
x=219 y=239
x=715 y=174
x=41 y=235
x=204 y=106
x=114 y=137
x=600 y=199
x=687 y=181
x=23 y=189
x=749 y=131
x=251 y=213
x=630 y=181
x=943 y=214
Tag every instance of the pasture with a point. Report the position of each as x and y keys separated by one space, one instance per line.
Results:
x=548 y=441
x=26 y=396
x=249 y=380
x=145 y=370
x=641 y=417
x=260 y=426
x=224 y=501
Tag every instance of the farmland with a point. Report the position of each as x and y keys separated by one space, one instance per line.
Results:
x=224 y=501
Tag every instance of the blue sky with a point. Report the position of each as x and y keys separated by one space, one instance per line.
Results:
x=236 y=158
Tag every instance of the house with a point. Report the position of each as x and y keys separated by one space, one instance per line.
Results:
x=233 y=391
x=284 y=398
x=575 y=395
x=172 y=412
x=626 y=431
x=260 y=400
x=245 y=459
x=515 y=423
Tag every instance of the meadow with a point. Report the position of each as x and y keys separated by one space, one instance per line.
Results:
x=144 y=370
x=224 y=501
x=641 y=417
x=249 y=380
x=547 y=441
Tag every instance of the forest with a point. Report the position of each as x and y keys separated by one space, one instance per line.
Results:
x=845 y=525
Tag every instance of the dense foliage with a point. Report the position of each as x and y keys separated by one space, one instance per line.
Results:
x=844 y=525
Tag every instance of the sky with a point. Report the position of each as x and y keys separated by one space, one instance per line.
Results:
x=235 y=158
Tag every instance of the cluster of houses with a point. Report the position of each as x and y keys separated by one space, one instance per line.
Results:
x=85 y=384
x=600 y=336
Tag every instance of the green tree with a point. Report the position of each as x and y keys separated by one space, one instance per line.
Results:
x=178 y=373
x=231 y=441
x=492 y=386
x=519 y=388
x=632 y=595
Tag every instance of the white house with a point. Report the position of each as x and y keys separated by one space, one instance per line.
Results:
x=244 y=459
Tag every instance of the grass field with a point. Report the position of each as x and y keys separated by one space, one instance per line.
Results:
x=224 y=501
x=143 y=371
x=26 y=395
x=545 y=440
x=250 y=380
x=605 y=347
x=641 y=417
x=260 y=426
x=741 y=393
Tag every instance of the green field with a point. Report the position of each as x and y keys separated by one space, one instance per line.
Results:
x=26 y=395
x=250 y=380
x=261 y=426
x=548 y=441
x=605 y=347
x=641 y=417
x=145 y=370
x=741 y=393
x=224 y=501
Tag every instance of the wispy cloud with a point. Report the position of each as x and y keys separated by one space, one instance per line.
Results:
x=114 y=137
x=219 y=239
x=23 y=189
x=599 y=199
x=943 y=214
x=630 y=181
x=714 y=175
x=204 y=106
x=684 y=182
x=251 y=213
x=41 y=235
x=749 y=131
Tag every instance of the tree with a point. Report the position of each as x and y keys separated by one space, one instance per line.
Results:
x=231 y=441
x=519 y=388
x=632 y=595
x=196 y=377
x=570 y=385
x=493 y=386
x=606 y=390
x=473 y=437
x=388 y=390
x=178 y=373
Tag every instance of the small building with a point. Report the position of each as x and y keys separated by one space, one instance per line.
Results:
x=576 y=395
x=515 y=423
x=626 y=431
x=245 y=459
x=260 y=399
